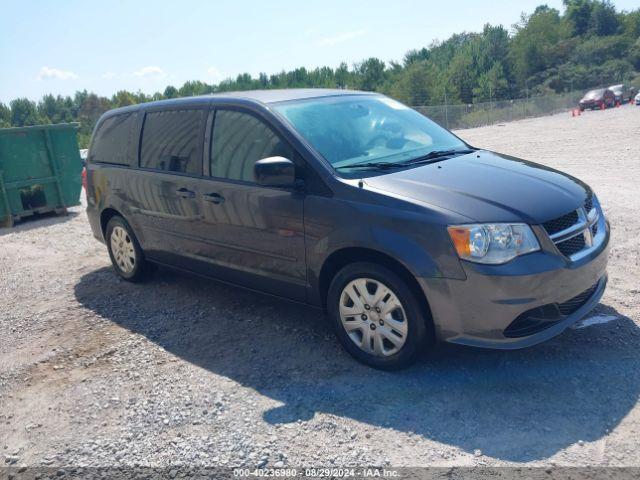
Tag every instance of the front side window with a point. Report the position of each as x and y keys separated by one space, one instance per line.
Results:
x=111 y=143
x=238 y=141
x=351 y=129
x=171 y=141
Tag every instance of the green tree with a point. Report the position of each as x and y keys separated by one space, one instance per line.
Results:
x=342 y=76
x=492 y=85
x=596 y=50
x=370 y=74
x=630 y=23
x=413 y=56
x=462 y=77
x=5 y=116
x=123 y=98
x=23 y=112
x=170 y=92
x=604 y=20
x=91 y=108
x=420 y=84
x=535 y=45
x=578 y=15
x=634 y=54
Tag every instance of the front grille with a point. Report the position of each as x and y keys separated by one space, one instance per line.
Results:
x=561 y=223
x=540 y=318
x=572 y=246
x=570 y=306
x=588 y=204
x=580 y=219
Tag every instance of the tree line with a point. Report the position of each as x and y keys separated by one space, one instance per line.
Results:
x=590 y=44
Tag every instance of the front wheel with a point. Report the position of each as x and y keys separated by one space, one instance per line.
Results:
x=377 y=317
x=126 y=255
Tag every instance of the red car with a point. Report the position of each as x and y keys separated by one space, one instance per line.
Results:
x=599 y=98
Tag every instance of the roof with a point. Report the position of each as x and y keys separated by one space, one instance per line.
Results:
x=283 y=95
x=259 y=96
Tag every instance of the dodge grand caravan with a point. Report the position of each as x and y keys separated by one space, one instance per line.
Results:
x=354 y=203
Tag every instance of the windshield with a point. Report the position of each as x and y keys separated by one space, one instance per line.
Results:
x=594 y=93
x=351 y=129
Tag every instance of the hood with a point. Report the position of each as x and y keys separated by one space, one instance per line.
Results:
x=488 y=187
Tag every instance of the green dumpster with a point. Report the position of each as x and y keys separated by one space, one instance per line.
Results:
x=40 y=170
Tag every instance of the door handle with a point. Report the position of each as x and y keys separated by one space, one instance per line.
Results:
x=213 y=198
x=186 y=193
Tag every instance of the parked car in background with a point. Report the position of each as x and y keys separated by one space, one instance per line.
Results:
x=355 y=203
x=638 y=99
x=622 y=93
x=598 y=98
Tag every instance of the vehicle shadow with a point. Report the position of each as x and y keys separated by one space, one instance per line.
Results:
x=38 y=220
x=516 y=406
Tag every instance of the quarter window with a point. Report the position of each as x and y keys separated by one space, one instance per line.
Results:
x=239 y=140
x=112 y=140
x=171 y=141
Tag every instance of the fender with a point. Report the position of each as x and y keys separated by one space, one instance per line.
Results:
x=410 y=253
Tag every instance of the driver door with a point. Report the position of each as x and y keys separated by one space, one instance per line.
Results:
x=251 y=234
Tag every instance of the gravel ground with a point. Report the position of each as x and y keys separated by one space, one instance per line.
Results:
x=97 y=372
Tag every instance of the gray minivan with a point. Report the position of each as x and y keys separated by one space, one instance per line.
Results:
x=354 y=203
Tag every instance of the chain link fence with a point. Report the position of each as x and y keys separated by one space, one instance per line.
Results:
x=487 y=113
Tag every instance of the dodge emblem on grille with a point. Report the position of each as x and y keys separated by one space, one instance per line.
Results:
x=588 y=237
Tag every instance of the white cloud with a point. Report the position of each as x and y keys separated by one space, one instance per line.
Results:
x=47 y=73
x=151 y=71
x=215 y=75
x=340 y=38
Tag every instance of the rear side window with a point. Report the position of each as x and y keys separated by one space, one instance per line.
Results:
x=171 y=141
x=112 y=141
x=239 y=139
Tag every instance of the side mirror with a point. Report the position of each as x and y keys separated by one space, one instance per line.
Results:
x=275 y=172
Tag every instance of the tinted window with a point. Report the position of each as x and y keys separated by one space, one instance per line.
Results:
x=171 y=141
x=239 y=139
x=111 y=143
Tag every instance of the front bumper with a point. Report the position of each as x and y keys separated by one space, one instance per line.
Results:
x=478 y=310
x=591 y=104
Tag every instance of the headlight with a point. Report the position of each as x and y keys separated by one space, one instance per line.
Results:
x=493 y=243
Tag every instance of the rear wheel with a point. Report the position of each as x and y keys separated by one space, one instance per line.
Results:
x=377 y=317
x=126 y=255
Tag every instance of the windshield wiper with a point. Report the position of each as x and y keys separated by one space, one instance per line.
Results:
x=379 y=165
x=430 y=157
x=436 y=156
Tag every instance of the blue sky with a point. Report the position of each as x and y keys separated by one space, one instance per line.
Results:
x=67 y=45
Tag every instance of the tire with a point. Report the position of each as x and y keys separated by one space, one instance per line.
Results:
x=126 y=255
x=396 y=338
